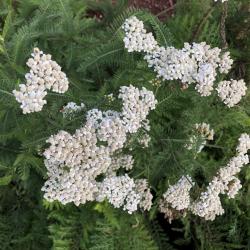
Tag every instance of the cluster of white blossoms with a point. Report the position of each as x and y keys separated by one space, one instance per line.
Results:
x=136 y=106
x=71 y=108
x=195 y=63
x=137 y=39
x=208 y=205
x=177 y=196
x=74 y=162
x=176 y=200
x=231 y=92
x=244 y=144
x=198 y=141
x=123 y=191
x=45 y=74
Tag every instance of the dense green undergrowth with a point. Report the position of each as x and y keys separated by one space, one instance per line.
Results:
x=92 y=54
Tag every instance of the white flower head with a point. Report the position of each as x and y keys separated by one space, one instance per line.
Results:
x=231 y=92
x=123 y=191
x=244 y=144
x=177 y=195
x=136 y=38
x=75 y=161
x=195 y=63
x=45 y=74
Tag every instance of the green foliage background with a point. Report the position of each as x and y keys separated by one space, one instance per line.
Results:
x=92 y=54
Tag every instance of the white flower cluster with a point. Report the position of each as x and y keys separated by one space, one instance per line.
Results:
x=136 y=38
x=136 y=106
x=231 y=92
x=225 y=182
x=177 y=196
x=74 y=162
x=208 y=205
x=244 y=144
x=123 y=191
x=44 y=74
x=195 y=63
x=71 y=108
x=198 y=141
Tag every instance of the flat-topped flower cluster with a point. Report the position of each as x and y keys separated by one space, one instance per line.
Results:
x=231 y=92
x=74 y=162
x=195 y=63
x=208 y=205
x=45 y=74
x=170 y=203
x=123 y=191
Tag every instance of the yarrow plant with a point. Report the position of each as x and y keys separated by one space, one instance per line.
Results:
x=84 y=166
x=75 y=161
x=208 y=205
x=195 y=63
x=45 y=74
x=111 y=161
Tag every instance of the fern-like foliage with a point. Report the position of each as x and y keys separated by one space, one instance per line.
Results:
x=86 y=39
x=120 y=231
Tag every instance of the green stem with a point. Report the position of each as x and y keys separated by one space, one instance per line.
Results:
x=6 y=92
x=165 y=99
